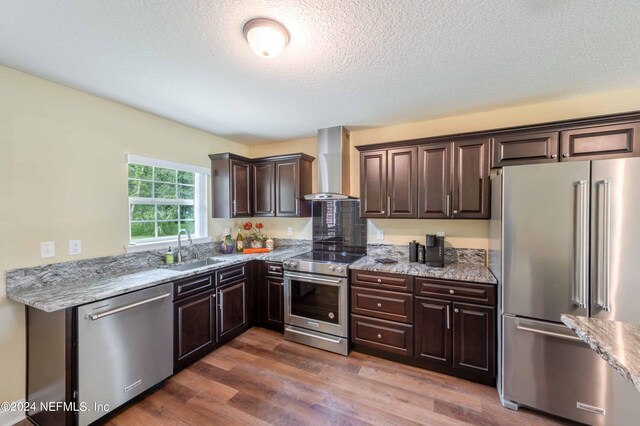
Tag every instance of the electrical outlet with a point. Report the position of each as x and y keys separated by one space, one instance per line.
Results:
x=227 y=231
x=289 y=231
x=75 y=247
x=380 y=234
x=47 y=249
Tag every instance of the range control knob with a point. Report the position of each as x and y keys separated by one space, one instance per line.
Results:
x=340 y=269
x=285 y=264
x=293 y=264
x=332 y=268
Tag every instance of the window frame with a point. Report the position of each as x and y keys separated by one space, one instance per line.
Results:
x=200 y=215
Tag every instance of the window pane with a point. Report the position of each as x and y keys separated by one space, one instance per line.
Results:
x=165 y=190
x=142 y=212
x=138 y=188
x=186 y=212
x=189 y=225
x=138 y=171
x=165 y=175
x=140 y=230
x=186 y=177
x=167 y=229
x=167 y=212
x=185 y=192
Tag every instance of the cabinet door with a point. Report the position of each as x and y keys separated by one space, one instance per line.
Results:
x=433 y=330
x=264 y=187
x=402 y=177
x=601 y=142
x=471 y=179
x=434 y=178
x=287 y=188
x=233 y=314
x=272 y=298
x=240 y=189
x=527 y=148
x=373 y=184
x=195 y=325
x=474 y=338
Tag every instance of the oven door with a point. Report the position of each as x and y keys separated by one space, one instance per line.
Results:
x=316 y=302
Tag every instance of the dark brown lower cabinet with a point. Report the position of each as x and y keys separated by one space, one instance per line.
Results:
x=433 y=331
x=272 y=298
x=194 y=327
x=474 y=337
x=233 y=309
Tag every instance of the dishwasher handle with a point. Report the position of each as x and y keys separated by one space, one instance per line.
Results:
x=127 y=307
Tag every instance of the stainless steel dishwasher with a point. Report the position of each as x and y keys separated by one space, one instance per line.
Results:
x=125 y=346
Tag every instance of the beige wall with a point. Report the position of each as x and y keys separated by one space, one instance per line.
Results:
x=63 y=176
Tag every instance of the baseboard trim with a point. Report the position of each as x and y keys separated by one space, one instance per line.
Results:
x=9 y=418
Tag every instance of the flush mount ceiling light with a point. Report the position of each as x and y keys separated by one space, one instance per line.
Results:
x=267 y=38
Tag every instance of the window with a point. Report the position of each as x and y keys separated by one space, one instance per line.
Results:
x=165 y=197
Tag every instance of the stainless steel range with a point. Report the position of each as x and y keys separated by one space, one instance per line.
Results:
x=316 y=293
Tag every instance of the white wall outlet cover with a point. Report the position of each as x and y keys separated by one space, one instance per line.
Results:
x=380 y=234
x=227 y=231
x=289 y=231
x=47 y=249
x=75 y=247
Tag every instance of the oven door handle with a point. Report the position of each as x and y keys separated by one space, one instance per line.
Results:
x=315 y=336
x=311 y=279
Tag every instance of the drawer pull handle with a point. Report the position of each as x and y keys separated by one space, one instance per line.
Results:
x=379 y=336
x=379 y=305
x=456 y=310
x=451 y=292
x=379 y=280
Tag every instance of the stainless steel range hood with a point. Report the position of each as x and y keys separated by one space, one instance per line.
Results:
x=333 y=165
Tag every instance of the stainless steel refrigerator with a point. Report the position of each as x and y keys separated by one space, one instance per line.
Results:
x=565 y=238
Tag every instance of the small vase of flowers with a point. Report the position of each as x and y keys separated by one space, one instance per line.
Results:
x=255 y=234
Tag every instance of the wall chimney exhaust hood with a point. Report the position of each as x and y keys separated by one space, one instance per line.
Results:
x=333 y=165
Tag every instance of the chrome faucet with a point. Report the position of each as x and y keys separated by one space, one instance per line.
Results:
x=180 y=243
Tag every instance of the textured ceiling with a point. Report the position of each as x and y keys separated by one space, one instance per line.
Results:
x=359 y=63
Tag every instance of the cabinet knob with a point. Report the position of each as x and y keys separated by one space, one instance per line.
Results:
x=379 y=305
x=554 y=156
x=379 y=336
x=565 y=155
x=379 y=280
x=455 y=212
x=451 y=292
x=456 y=310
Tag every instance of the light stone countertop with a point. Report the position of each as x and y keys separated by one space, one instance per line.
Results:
x=616 y=342
x=67 y=294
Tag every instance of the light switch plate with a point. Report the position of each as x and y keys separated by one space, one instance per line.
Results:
x=75 y=247
x=47 y=249
x=380 y=234
x=289 y=231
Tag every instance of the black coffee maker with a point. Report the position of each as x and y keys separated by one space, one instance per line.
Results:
x=435 y=251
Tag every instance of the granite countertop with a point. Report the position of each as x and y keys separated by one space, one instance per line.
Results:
x=67 y=294
x=616 y=342
x=460 y=264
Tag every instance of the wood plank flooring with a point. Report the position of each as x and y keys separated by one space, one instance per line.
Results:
x=259 y=379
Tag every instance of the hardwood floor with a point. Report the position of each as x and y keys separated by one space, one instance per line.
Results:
x=258 y=378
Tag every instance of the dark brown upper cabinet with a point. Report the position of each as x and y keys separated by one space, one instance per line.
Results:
x=387 y=183
x=269 y=186
x=601 y=142
x=524 y=148
x=293 y=181
x=434 y=180
x=230 y=186
x=471 y=179
x=264 y=188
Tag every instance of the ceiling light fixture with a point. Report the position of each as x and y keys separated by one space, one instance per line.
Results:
x=267 y=38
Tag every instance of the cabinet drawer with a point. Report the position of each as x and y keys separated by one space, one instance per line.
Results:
x=384 y=335
x=389 y=305
x=230 y=274
x=382 y=280
x=274 y=268
x=450 y=290
x=191 y=286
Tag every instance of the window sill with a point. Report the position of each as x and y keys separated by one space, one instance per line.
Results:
x=157 y=245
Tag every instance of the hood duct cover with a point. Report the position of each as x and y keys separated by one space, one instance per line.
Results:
x=333 y=165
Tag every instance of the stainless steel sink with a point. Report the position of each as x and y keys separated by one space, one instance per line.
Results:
x=187 y=266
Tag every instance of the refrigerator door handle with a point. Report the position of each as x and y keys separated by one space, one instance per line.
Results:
x=547 y=333
x=581 y=250
x=604 y=245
